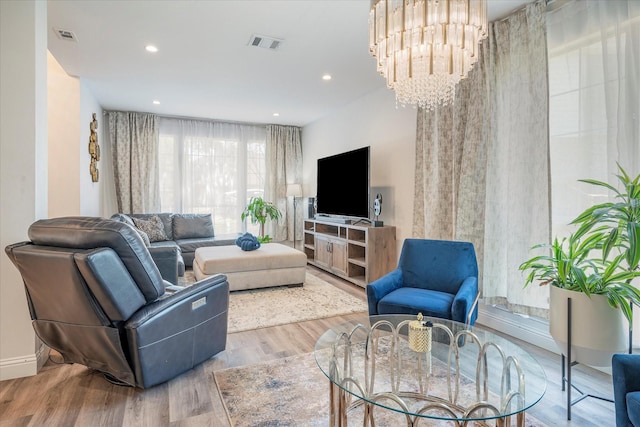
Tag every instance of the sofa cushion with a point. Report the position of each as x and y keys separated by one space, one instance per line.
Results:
x=192 y=226
x=414 y=300
x=633 y=407
x=153 y=227
x=127 y=220
x=190 y=245
x=165 y=217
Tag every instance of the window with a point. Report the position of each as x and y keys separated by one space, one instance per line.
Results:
x=208 y=167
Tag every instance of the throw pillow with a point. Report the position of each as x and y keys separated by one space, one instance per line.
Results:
x=192 y=226
x=145 y=237
x=153 y=227
x=248 y=242
x=127 y=220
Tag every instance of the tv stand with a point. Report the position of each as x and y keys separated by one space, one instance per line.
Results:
x=357 y=253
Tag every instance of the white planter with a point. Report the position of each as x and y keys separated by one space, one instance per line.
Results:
x=598 y=331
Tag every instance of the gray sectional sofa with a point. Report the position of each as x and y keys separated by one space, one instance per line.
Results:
x=183 y=234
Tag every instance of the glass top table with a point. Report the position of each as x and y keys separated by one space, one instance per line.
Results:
x=384 y=374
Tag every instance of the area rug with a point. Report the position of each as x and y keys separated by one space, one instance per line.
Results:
x=292 y=392
x=262 y=308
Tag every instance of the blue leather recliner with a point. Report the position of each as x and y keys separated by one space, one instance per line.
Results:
x=434 y=277
x=96 y=296
x=626 y=389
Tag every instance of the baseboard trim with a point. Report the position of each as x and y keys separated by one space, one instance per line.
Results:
x=533 y=331
x=23 y=366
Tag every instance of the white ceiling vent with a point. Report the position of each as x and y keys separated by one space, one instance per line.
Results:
x=265 y=42
x=65 y=35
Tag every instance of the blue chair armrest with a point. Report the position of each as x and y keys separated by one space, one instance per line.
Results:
x=625 y=369
x=464 y=301
x=377 y=289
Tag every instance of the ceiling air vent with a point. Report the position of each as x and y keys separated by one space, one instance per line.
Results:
x=265 y=42
x=65 y=35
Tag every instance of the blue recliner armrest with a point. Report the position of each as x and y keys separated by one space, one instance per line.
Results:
x=377 y=289
x=463 y=301
x=625 y=369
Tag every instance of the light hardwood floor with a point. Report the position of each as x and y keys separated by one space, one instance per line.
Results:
x=72 y=395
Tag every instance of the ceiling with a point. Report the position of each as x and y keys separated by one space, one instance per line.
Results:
x=205 y=67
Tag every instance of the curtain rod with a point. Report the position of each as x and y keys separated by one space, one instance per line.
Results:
x=168 y=116
x=551 y=5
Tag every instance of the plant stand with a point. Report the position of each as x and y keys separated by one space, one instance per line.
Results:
x=569 y=364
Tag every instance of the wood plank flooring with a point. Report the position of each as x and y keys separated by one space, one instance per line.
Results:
x=72 y=395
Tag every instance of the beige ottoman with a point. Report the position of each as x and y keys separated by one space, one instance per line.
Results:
x=272 y=264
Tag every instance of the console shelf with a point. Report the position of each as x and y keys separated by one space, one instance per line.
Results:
x=357 y=253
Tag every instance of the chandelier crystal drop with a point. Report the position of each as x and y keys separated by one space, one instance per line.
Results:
x=425 y=47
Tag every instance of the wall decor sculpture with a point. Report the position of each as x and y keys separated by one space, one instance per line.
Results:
x=94 y=149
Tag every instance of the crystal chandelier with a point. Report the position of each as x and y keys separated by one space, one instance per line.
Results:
x=425 y=47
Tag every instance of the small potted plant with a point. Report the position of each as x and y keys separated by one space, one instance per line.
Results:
x=595 y=267
x=258 y=211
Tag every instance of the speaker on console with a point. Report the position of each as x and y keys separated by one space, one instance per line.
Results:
x=310 y=208
x=377 y=210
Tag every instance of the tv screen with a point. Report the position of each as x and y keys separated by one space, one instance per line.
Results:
x=343 y=184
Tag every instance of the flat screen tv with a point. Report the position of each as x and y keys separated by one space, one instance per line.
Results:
x=343 y=184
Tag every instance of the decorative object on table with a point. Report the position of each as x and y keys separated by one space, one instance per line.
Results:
x=295 y=191
x=420 y=335
x=94 y=149
x=424 y=48
x=377 y=210
x=258 y=211
x=591 y=274
x=248 y=242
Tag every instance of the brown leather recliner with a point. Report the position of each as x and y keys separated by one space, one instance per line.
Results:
x=96 y=296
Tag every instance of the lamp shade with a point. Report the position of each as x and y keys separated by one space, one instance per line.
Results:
x=294 y=190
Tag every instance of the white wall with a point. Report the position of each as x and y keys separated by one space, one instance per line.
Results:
x=63 y=106
x=71 y=106
x=371 y=120
x=23 y=172
x=91 y=193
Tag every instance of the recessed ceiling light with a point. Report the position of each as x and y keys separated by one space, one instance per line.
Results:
x=156 y=102
x=326 y=77
x=151 y=48
x=276 y=114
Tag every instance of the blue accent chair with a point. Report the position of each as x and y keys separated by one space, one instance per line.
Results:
x=626 y=389
x=434 y=277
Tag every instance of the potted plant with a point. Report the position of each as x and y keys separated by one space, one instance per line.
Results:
x=258 y=211
x=595 y=267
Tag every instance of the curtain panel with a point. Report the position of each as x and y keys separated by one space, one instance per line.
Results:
x=133 y=139
x=212 y=167
x=284 y=166
x=482 y=164
x=594 y=85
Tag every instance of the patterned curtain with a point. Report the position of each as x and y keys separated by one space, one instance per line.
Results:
x=284 y=166
x=482 y=168
x=134 y=146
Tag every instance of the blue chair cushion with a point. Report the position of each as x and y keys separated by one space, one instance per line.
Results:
x=415 y=300
x=633 y=407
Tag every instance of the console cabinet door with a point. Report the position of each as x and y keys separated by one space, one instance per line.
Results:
x=331 y=254
x=322 y=254
x=339 y=256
